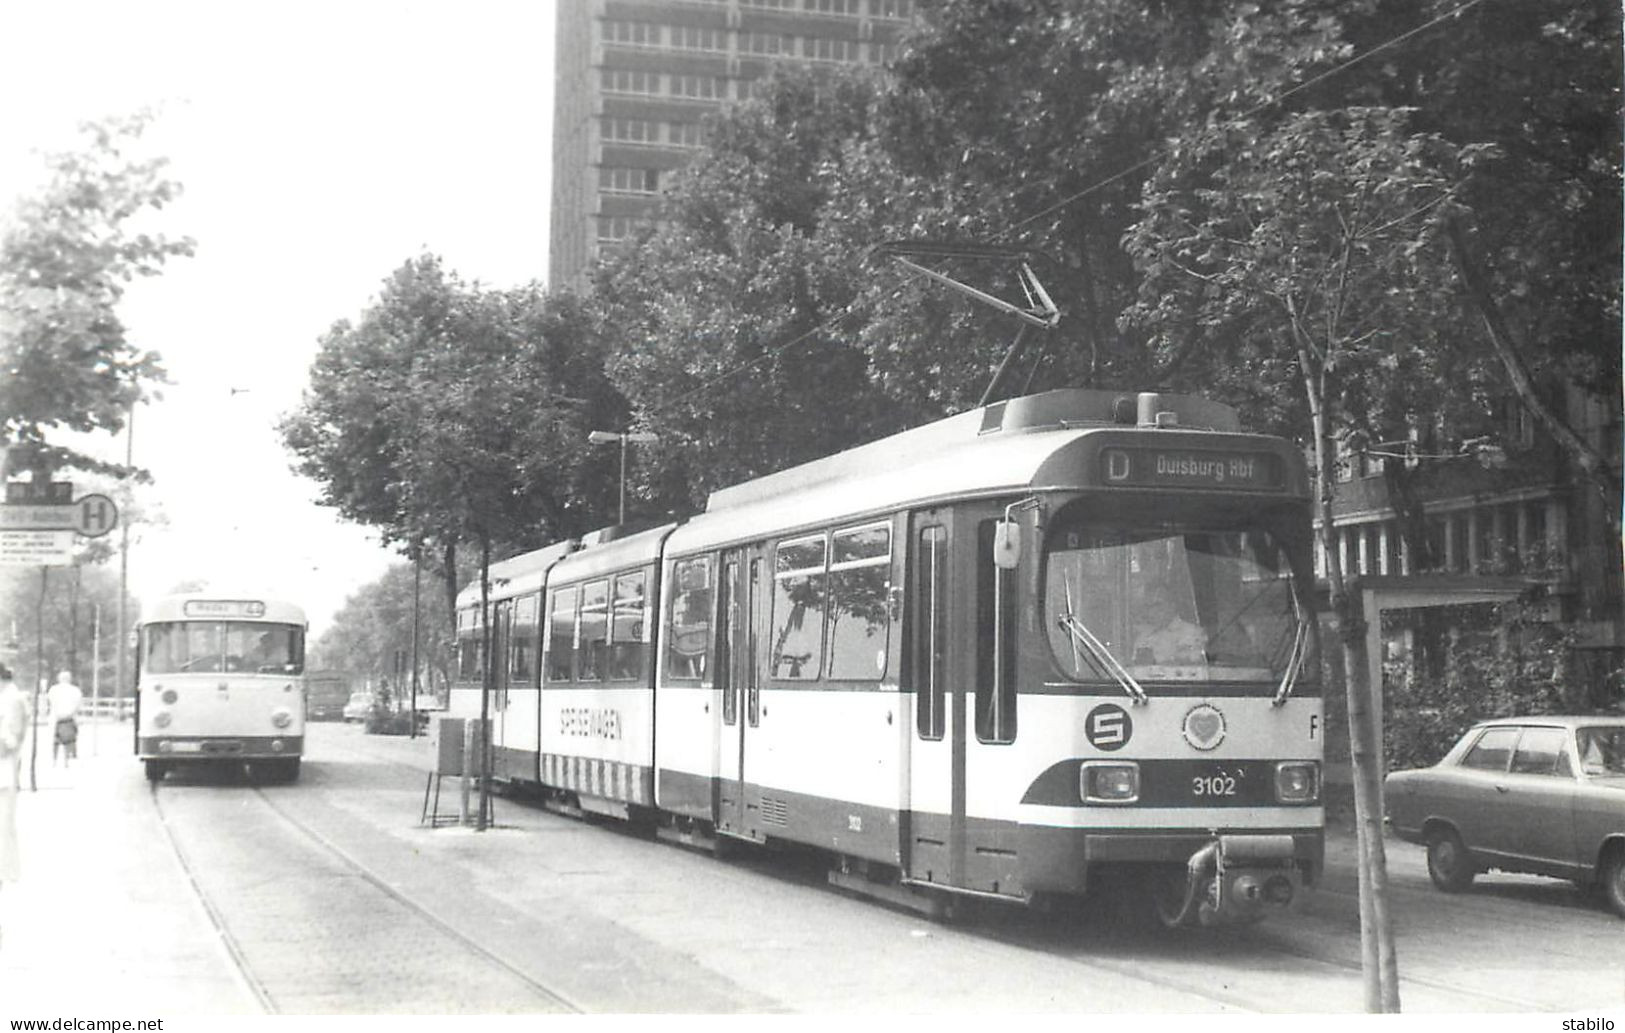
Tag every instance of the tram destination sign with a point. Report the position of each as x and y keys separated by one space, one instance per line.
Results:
x=1154 y=467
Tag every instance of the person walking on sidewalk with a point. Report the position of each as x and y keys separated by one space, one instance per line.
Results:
x=14 y=722
x=65 y=699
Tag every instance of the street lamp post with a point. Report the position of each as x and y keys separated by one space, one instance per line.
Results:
x=603 y=437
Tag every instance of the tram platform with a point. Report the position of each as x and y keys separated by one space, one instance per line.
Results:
x=101 y=925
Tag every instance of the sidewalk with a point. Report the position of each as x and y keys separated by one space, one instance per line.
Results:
x=103 y=924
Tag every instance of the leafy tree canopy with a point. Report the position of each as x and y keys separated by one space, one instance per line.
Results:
x=67 y=254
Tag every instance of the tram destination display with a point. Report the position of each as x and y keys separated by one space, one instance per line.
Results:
x=1191 y=468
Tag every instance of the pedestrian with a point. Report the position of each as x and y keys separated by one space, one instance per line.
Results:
x=64 y=698
x=14 y=724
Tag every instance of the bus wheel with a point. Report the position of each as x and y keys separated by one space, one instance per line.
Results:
x=155 y=771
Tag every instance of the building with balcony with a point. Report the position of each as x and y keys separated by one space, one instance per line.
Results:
x=636 y=78
x=1517 y=516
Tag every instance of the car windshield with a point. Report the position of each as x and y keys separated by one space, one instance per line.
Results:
x=1602 y=749
x=1173 y=603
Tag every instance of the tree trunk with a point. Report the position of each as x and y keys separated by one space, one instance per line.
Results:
x=1595 y=465
x=1379 y=961
x=1412 y=514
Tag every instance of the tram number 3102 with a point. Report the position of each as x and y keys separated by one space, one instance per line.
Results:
x=1213 y=785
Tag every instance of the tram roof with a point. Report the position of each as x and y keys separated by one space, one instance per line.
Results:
x=240 y=606
x=1062 y=409
x=996 y=449
x=622 y=553
x=519 y=574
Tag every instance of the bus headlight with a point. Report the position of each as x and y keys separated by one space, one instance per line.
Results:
x=1113 y=781
x=170 y=696
x=1297 y=781
x=161 y=719
x=281 y=717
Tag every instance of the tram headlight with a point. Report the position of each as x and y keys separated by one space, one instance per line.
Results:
x=161 y=719
x=281 y=717
x=1109 y=781
x=1297 y=781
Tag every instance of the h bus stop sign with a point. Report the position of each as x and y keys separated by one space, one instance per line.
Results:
x=41 y=532
x=94 y=515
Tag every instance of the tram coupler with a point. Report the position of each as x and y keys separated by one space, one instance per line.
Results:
x=1238 y=879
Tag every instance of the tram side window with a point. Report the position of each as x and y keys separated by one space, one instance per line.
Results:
x=628 y=646
x=860 y=603
x=592 y=631
x=522 y=647
x=689 y=622
x=995 y=643
x=468 y=646
x=798 y=608
x=561 y=628
x=928 y=663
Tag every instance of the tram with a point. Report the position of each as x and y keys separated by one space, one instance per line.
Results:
x=1054 y=640
x=220 y=679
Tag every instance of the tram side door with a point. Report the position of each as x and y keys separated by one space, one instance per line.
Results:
x=736 y=684
x=937 y=659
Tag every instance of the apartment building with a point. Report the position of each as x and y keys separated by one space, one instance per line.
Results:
x=636 y=78
x=1517 y=511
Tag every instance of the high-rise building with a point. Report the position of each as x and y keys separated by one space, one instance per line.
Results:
x=635 y=79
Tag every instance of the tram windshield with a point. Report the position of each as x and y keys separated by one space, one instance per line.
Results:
x=1173 y=603
x=249 y=647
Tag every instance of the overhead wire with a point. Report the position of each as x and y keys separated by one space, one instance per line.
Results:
x=1158 y=155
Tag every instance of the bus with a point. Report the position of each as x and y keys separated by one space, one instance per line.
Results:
x=221 y=679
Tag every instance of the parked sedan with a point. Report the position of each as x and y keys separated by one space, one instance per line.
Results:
x=1537 y=794
x=359 y=707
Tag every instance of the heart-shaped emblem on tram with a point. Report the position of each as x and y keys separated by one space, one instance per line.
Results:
x=1204 y=726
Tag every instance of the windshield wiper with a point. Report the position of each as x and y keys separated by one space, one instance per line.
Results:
x=1101 y=656
x=1300 y=647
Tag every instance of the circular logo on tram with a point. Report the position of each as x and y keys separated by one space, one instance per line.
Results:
x=1204 y=726
x=1108 y=727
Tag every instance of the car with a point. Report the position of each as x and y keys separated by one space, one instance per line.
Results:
x=360 y=705
x=1543 y=795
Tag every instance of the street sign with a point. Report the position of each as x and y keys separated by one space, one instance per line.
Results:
x=91 y=516
x=36 y=548
x=94 y=515
x=44 y=493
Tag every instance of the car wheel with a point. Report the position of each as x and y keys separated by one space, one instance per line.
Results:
x=1450 y=865
x=1613 y=880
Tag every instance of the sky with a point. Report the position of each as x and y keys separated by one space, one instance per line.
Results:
x=320 y=146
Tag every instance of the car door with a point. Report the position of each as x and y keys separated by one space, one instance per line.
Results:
x=1471 y=800
x=1537 y=797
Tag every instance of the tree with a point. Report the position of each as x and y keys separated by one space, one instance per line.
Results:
x=375 y=624
x=66 y=256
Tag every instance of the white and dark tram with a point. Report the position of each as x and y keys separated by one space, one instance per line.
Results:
x=1004 y=654
x=220 y=680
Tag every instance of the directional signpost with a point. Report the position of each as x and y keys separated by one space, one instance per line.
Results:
x=38 y=525
x=41 y=533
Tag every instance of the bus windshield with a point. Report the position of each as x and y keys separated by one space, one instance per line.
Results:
x=1181 y=603
x=224 y=646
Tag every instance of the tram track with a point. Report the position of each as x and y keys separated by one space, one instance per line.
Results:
x=242 y=950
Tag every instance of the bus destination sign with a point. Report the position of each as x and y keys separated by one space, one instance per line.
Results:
x=1190 y=468
x=223 y=608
